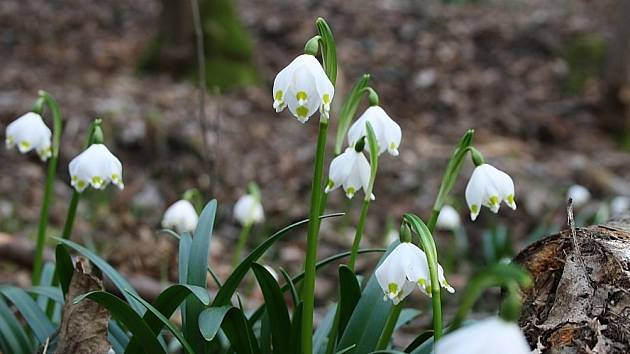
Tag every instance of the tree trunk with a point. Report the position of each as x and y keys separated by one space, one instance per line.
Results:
x=580 y=301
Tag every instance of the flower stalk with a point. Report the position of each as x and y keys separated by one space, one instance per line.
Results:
x=48 y=100
x=388 y=330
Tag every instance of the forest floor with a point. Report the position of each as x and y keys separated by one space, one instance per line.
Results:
x=524 y=74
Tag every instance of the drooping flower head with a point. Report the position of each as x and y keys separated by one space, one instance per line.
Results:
x=488 y=187
x=489 y=336
x=181 y=216
x=304 y=87
x=579 y=194
x=248 y=210
x=405 y=268
x=448 y=218
x=95 y=166
x=30 y=132
x=351 y=170
x=388 y=133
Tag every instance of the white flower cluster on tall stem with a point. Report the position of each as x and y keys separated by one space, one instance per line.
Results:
x=490 y=336
x=388 y=133
x=181 y=216
x=95 y=166
x=29 y=132
x=404 y=269
x=488 y=187
x=248 y=210
x=304 y=87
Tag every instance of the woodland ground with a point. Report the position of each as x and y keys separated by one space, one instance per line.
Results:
x=522 y=73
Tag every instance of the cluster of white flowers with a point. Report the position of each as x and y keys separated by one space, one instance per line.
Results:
x=404 y=269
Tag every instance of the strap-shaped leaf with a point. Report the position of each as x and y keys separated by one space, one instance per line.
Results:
x=64 y=267
x=348 y=110
x=349 y=295
x=296 y=329
x=164 y=321
x=48 y=274
x=45 y=293
x=166 y=303
x=12 y=333
x=33 y=315
x=231 y=284
x=117 y=279
x=123 y=313
x=406 y=316
x=118 y=337
x=320 y=339
x=234 y=324
x=276 y=308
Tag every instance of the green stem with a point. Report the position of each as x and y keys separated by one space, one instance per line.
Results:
x=388 y=330
x=359 y=234
x=308 y=289
x=433 y=220
x=70 y=216
x=48 y=189
x=242 y=240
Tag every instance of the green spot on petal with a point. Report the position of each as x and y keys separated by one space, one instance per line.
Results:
x=81 y=184
x=279 y=95
x=474 y=208
x=510 y=198
x=301 y=96
x=393 y=288
x=326 y=98
x=494 y=200
x=302 y=111
x=97 y=181
x=25 y=144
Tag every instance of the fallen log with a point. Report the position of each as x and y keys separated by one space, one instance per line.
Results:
x=580 y=301
x=22 y=252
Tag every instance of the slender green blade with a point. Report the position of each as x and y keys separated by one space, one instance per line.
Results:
x=12 y=333
x=349 y=295
x=117 y=279
x=348 y=110
x=406 y=316
x=118 y=337
x=33 y=315
x=126 y=315
x=295 y=344
x=234 y=324
x=320 y=339
x=48 y=274
x=276 y=308
x=65 y=267
x=47 y=292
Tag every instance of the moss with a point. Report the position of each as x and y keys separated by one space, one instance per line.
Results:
x=585 y=57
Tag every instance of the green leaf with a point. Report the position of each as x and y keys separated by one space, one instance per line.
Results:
x=348 y=110
x=329 y=51
x=32 y=313
x=117 y=337
x=419 y=341
x=166 y=303
x=349 y=295
x=234 y=324
x=126 y=315
x=164 y=321
x=320 y=339
x=224 y=294
x=197 y=273
x=295 y=344
x=45 y=293
x=117 y=279
x=453 y=168
x=264 y=340
x=324 y=262
x=294 y=294
x=369 y=317
x=12 y=333
x=65 y=267
x=276 y=308
x=406 y=316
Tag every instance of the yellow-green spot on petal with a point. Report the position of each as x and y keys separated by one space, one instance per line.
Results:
x=330 y=184
x=301 y=96
x=302 y=111
x=279 y=95
x=97 y=181
x=392 y=146
x=510 y=198
x=474 y=208
x=393 y=288
x=494 y=200
x=326 y=98
x=81 y=184
x=350 y=192
x=25 y=144
x=74 y=178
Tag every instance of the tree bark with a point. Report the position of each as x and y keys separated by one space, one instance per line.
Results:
x=580 y=301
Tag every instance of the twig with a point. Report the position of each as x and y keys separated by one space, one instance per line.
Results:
x=201 y=82
x=571 y=222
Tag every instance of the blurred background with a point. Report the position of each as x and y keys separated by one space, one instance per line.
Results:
x=545 y=84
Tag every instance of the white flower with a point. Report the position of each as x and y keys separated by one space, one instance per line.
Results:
x=619 y=205
x=579 y=194
x=248 y=210
x=448 y=218
x=304 y=87
x=489 y=336
x=96 y=166
x=488 y=187
x=351 y=170
x=30 y=132
x=387 y=131
x=180 y=216
x=405 y=268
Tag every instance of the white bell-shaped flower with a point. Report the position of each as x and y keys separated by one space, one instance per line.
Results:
x=304 y=87
x=405 y=268
x=489 y=336
x=181 y=216
x=448 y=218
x=30 y=132
x=619 y=205
x=488 y=187
x=351 y=170
x=95 y=166
x=387 y=131
x=579 y=194
x=248 y=210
